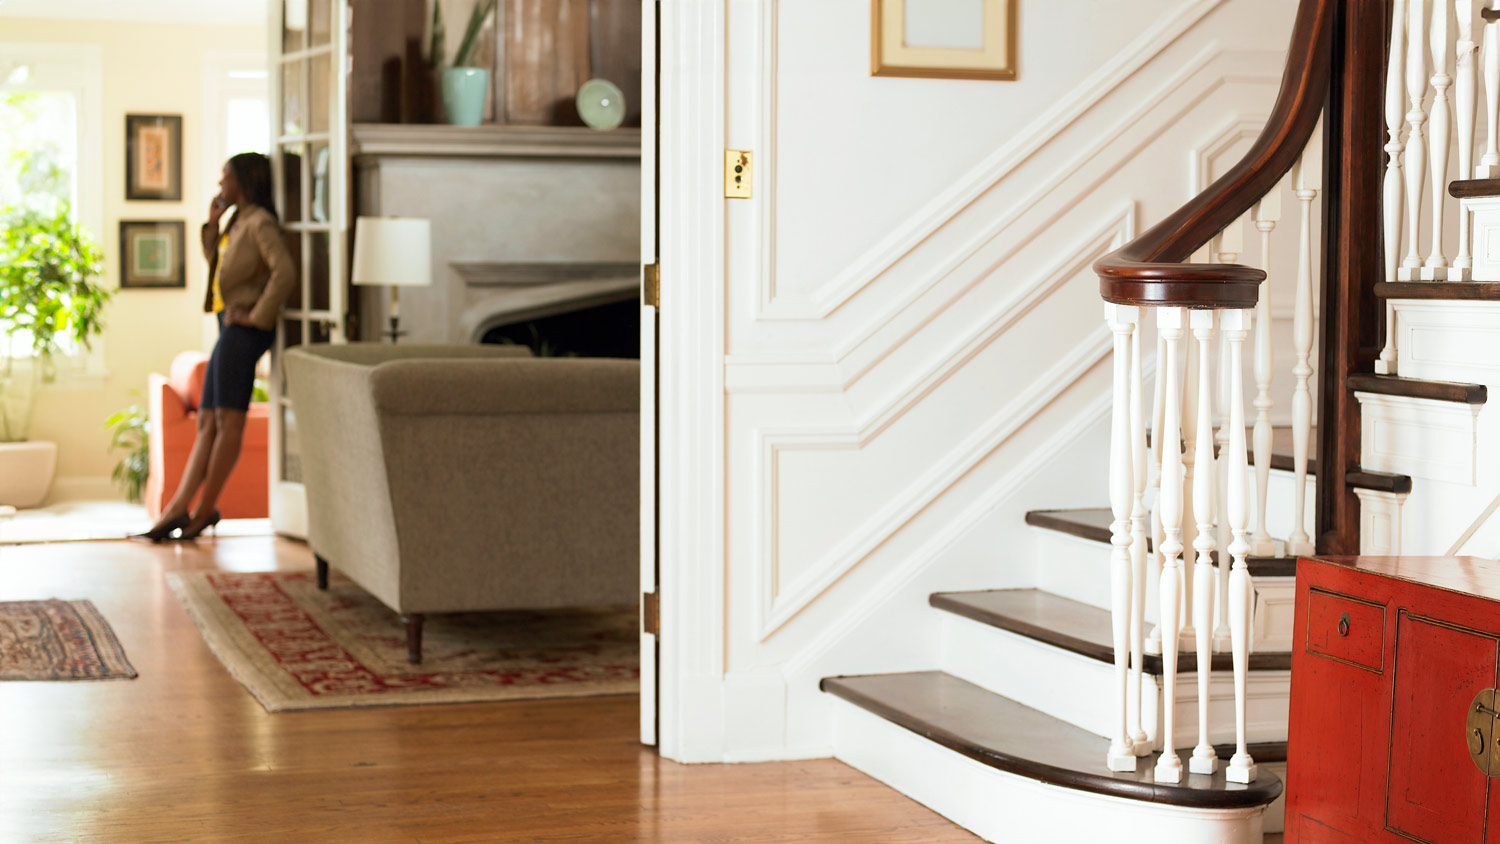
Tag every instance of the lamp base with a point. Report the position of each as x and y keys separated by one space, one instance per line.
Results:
x=394 y=333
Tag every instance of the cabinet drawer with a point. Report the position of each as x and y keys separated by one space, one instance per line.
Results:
x=1345 y=629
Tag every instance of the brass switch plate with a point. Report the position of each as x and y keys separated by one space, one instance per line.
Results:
x=737 y=173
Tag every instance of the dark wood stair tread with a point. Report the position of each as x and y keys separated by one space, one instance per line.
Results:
x=1092 y=523
x=1471 y=188
x=1074 y=626
x=1283 y=458
x=1478 y=291
x=1007 y=736
x=1419 y=388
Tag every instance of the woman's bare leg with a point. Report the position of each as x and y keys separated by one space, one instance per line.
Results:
x=197 y=466
x=226 y=451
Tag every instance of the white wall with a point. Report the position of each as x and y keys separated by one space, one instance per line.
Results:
x=149 y=68
x=873 y=368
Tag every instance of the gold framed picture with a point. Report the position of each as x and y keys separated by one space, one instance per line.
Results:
x=152 y=253
x=943 y=39
x=153 y=157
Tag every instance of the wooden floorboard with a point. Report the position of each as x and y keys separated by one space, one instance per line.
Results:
x=184 y=754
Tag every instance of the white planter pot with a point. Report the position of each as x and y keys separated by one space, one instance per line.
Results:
x=26 y=472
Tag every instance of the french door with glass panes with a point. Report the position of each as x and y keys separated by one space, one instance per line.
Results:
x=309 y=125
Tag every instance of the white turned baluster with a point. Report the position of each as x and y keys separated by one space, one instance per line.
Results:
x=1203 y=760
x=1158 y=411
x=1121 y=319
x=1464 y=101
x=1489 y=163
x=1190 y=402
x=1241 y=590
x=1307 y=174
x=1139 y=472
x=1231 y=244
x=1439 y=139
x=1392 y=207
x=1416 y=151
x=1170 y=324
x=1267 y=215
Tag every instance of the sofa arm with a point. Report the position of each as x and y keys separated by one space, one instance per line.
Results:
x=374 y=354
x=496 y=387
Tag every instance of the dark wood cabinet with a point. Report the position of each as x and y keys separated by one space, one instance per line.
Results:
x=1391 y=661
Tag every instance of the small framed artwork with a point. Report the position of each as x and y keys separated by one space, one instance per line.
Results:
x=152 y=254
x=943 y=39
x=153 y=156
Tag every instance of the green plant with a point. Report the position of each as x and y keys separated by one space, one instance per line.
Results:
x=47 y=295
x=131 y=432
x=436 y=46
x=260 y=391
x=468 y=48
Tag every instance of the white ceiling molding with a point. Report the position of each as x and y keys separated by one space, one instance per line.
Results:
x=233 y=12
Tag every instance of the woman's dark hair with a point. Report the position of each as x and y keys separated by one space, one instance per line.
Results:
x=253 y=171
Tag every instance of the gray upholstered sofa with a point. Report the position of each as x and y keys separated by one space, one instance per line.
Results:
x=464 y=478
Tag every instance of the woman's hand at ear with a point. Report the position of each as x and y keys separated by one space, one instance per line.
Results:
x=238 y=315
x=216 y=208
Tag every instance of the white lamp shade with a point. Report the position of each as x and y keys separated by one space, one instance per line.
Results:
x=393 y=251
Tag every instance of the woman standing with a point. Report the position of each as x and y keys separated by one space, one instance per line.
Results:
x=250 y=277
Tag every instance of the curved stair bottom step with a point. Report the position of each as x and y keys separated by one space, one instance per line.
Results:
x=1015 y=808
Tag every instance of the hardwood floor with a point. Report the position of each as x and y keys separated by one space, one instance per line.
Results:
x=184 y=754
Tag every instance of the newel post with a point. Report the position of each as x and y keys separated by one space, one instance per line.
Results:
x=1351 y=336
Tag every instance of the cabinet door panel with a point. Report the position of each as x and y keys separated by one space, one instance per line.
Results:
x=1435 y=792
x=1338 y=748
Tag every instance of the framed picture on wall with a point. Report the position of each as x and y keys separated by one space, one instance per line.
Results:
x=943 y=39
x=153 y=156
x=152 y=254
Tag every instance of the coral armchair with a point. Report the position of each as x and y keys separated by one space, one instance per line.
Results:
x=173 y=410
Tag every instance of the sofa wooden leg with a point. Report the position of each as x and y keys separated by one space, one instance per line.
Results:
x=413 y=637
x=322 y=572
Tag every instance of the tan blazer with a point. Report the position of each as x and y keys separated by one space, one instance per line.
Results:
x=257 y=272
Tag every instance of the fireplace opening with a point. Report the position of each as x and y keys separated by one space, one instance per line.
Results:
x=604 y=331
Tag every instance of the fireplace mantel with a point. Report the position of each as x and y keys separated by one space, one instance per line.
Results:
x=387 y=140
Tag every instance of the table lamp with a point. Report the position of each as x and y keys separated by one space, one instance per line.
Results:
x=395 y=252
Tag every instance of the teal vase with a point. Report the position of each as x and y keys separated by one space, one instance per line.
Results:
x=464 y=89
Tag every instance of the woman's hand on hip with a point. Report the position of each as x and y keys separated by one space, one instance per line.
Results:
x=237 y=315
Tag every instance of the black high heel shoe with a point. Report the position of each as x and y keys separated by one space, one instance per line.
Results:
x=161 y=532
x=213 y=519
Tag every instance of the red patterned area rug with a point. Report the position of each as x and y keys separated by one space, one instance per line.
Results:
x=59 y=640
x=295 y=647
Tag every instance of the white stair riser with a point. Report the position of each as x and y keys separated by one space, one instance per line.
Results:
x=1079 y=689
x=1427 y=439
x=1004 y=807
x=1448 y=340
x=1075 y=568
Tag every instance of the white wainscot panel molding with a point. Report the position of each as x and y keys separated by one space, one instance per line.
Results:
x=782 y=597
x=1448 y=340
x=1486 y=228
x=1419 y=437
x=1085 y=96
x=1380 y=522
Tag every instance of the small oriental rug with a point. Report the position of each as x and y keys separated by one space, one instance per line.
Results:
x=59 y=640
x=295 y=647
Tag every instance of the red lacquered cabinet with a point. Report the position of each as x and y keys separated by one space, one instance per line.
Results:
x=1394 y=729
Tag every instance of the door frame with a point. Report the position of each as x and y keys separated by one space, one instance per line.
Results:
x=692 y=95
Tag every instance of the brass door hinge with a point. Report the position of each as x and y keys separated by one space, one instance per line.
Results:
x=651 y=285
x=650 y=613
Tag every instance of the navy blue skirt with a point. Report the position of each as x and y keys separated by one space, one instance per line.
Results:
x=230 y=379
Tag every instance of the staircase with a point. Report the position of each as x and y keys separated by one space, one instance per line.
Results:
x=1051 y=713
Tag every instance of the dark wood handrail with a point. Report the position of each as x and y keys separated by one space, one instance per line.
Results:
x=1149 y=270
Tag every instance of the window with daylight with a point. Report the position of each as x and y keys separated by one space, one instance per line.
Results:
x=38 y=167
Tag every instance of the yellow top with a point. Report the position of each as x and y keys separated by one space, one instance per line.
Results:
x=219 y=299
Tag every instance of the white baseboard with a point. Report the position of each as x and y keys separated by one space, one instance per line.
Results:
x=1004 y=807
x=84 y=488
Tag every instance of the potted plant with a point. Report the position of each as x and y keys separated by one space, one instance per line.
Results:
x=131 y=433
x=47 y=296
x=464 y=84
